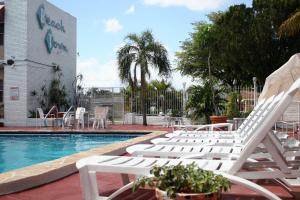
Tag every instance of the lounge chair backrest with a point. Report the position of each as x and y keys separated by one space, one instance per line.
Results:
x=257 y=119
x=262 y=131
x=252 y=114
x=41 y=113
x=261 y=118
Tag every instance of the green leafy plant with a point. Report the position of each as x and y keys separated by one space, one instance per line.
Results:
x=54 y=94
x=183 y=179
x=232 y=108
x=200 y=104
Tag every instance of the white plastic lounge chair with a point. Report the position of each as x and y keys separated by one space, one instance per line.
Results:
x=232 y=169
x=207 y=127
x=234 y=139
x=211 y=127
x=88 y=168
x=209 y=148
x=247 y=122
x=208 y=151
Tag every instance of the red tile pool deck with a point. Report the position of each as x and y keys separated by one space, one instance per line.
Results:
x=68 y=188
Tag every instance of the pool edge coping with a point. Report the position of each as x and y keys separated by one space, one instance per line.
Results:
x=46 y=172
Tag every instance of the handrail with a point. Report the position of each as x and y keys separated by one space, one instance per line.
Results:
x=67 y=113
x=50 y=111
x=43 y=116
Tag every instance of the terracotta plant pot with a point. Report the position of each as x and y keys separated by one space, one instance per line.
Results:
x=162 y=195
x=218 y=119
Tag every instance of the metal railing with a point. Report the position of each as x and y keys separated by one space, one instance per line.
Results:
x=248 y=97
x=112 y=97
x=157 y=103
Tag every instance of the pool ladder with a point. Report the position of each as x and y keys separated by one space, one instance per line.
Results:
x=67 y=118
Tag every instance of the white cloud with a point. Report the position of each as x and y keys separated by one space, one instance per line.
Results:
x=130 y=10
x=112 y=25
x=196 y=5
x=96 y=74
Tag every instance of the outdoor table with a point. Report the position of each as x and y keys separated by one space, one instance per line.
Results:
x=173 y=120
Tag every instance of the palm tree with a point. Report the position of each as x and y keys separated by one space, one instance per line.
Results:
x=160 y=85
x=291 y=26
x=140 y=52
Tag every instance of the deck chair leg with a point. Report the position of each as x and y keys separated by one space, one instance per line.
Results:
x=89 y=184
x=125 y=179
x=102 y=123
x=250 y=185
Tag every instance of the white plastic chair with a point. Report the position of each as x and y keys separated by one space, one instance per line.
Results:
x=232 y=169
x=79 y=117
x=100 y=117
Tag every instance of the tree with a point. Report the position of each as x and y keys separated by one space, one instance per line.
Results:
x=57 y=92
x=291 y=26
x=160 y=85
x=141 y=52
x=192 y=60
x=240 y=43
x=270 y=51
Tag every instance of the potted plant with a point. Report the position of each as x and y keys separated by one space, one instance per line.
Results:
x=184 y=182
x=201 y=105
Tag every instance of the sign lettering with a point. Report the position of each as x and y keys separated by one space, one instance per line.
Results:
x=44 y=19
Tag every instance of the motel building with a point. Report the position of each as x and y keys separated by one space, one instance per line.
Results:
x=36 y=35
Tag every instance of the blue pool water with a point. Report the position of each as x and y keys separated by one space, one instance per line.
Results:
x=17 y=151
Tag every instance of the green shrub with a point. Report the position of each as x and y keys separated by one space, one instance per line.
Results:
x=232 y=107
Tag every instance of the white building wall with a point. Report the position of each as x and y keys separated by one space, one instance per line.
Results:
x=15 y=42
x=25 y=41
x=38 y=53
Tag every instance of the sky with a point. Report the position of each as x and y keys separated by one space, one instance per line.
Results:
x=102 y=26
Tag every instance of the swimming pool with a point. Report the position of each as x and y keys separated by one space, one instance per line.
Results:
x=21 y=150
